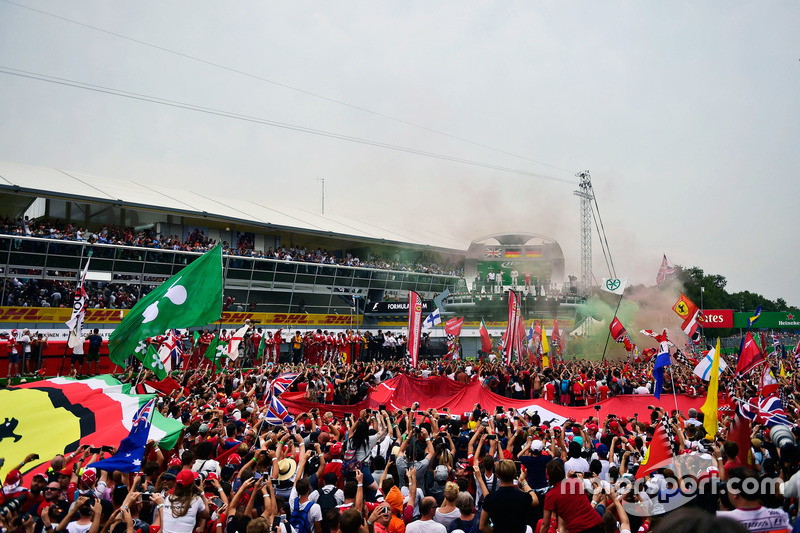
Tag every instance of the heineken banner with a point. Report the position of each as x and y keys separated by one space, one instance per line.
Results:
x=768 y=320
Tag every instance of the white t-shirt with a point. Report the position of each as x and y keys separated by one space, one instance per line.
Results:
x=314 y=514
x=207 y=466
x=760 y=519
x=488 y=480
x=446 y=518
x=427 y=526
x=576 y=464
x=181 y=524
x=75 y=527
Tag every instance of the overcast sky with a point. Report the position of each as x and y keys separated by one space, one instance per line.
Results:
x=687 y=115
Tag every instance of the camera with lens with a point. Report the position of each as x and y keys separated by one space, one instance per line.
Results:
x=12 y=505
x=781 y=435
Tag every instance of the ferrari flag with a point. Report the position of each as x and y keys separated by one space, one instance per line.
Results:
x=58 y=415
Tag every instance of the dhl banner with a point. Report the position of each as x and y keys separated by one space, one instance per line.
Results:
x=54 y=315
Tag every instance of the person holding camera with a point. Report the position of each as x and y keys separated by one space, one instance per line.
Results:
x=185 y=508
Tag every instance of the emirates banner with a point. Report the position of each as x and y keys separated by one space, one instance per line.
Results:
x=718 y=318
x=414 y=325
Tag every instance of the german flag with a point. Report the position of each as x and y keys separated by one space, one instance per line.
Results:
x=533 y=252
x=513 y=252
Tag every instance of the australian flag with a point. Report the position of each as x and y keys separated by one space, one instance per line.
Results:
x=130 y=455
x=277 y=414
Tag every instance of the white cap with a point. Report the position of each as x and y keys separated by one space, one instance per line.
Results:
x=537 y=445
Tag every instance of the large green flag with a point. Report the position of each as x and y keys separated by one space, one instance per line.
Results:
x=190 y=298
x=215 y=352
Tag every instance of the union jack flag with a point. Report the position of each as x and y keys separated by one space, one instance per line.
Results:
x=142 y=416
x=664 y=272
x=767 y=411
x=493 y=252
x=282 y=382
x=277 y=414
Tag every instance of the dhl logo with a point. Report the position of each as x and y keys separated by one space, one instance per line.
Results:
x=46 y=314
x=229 y=318
x=112 y=316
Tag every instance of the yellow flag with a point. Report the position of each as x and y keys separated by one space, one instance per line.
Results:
x=545 y=361
x=783 y=370
x=711 y=406
x=545 y=344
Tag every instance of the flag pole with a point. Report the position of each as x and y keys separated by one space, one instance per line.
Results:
x=674 y=394
x=605 y=346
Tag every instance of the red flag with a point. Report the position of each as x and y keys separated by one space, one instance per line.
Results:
x=522 y=346
x=511 y=327
x=453 y=326
x=555 y=336
x=740 y=434
x=769 y=384
x=750 y=356
x=618 y=332
x=486 y=342
x=414 y=325
x=659 y=453
x=685 y=308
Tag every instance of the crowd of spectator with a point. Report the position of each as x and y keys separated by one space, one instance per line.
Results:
x=409 y=469
x=197 y=241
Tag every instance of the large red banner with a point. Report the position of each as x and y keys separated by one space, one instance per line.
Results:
x=441 y=392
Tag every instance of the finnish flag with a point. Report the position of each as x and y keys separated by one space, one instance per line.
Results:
x=703 y=370
x=432 y=320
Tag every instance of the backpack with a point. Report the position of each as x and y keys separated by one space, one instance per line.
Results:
x=327 y=500
x=564 y=386
x=349 y=462
x=299 y=519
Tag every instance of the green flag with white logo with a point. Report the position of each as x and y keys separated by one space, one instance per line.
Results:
x=215 y=352
x=190 y=298
x=148 y=355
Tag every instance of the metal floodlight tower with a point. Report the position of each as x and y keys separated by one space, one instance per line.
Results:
x=586 y=194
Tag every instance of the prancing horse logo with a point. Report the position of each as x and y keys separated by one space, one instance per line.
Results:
x=7 y=429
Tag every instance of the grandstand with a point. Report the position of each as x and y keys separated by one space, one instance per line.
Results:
x=284 y=266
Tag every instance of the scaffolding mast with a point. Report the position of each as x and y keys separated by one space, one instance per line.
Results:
x=586 y=194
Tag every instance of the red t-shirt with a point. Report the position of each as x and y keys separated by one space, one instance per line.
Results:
x=604 y=392
x=568 y=500
x=549 y=392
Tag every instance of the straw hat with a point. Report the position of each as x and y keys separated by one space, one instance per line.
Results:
x=286 y=469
